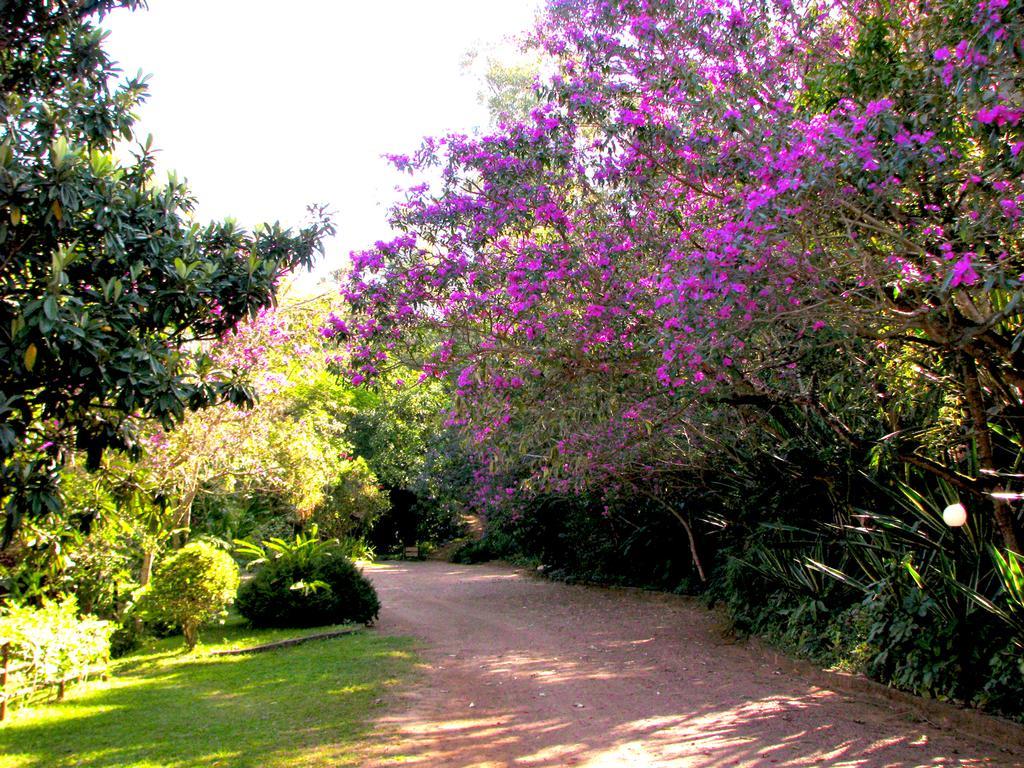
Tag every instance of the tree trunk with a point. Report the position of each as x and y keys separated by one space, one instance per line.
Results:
x=978 y=424
x=691 y=539
x=190 y=630
x=146 y=569
x=183 y=515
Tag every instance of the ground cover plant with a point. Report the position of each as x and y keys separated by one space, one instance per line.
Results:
x=304 y=705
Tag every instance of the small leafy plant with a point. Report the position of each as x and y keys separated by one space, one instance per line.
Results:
x=304 y=583
x=51 y=644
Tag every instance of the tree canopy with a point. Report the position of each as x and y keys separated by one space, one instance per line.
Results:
x=724 y=207
x=107 y=283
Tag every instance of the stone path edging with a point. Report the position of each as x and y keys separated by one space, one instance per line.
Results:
x=286 y=643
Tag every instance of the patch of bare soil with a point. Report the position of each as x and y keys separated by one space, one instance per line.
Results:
x=524 y=672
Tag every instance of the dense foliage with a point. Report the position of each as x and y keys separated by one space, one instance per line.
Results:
x=50 y=645
x=706 y=247
x=730 y=302
x=756 y=267
x=192 y=586
x=264 y=469
x=305 y=583
x=398 y=429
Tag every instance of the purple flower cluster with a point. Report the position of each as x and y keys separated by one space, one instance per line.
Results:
x=683 y=212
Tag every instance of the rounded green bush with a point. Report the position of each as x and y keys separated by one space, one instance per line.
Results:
x=308 y=592
x=192 y=586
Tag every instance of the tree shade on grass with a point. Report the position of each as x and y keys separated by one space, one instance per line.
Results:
x=303 y=705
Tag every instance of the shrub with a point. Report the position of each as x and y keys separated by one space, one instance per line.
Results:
x=357 y=549
x=492 y=547
x=191 y=587
x=306 y=584
x=52 y=644
x=127 y=637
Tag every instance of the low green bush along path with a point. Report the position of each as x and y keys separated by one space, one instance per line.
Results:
x=304 y=705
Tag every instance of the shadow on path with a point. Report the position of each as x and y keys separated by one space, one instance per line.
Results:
x=523 y=672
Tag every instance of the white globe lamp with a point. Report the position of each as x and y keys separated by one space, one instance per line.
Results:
x=954 y=515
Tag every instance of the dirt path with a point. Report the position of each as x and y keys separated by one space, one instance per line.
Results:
x=525 y=672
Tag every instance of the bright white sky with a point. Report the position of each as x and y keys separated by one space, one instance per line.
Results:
x=266 y=107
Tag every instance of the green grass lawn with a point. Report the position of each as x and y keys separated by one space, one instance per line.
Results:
x=307 y=705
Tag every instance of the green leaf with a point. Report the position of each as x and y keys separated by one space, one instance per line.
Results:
x=909 y=567
x=58 y=152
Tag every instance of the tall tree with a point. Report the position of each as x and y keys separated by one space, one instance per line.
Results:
x=107 y=284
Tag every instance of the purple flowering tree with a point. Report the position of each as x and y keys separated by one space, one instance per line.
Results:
x=710 y=199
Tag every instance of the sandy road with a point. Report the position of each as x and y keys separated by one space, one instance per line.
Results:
x=525 y=672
